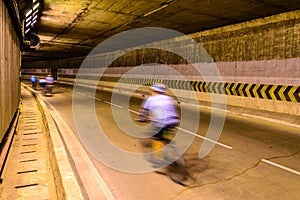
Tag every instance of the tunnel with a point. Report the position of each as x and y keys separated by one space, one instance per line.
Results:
x=76 y=76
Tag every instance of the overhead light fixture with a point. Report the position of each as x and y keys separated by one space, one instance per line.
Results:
x=35 y=6
x=33 y=22
x=36 y=12
x=28 y=13
x=153 y=11
x=34 y=18
x=28 y=24
x=27 y=30
x=28 y=19
x=33 y=1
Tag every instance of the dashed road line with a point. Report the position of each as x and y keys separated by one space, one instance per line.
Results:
x=116 y=105
x=81 y=93
x=281 y=166
x=133 y=111
x=207 y=139
x=107 y=102
x=95 y=98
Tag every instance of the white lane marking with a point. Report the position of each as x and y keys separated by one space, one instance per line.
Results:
x=204 y=138
x=133 y=111
x=281 y=166
x=81 y=93
x=95 y=98
x=68 y=132
x=113 y=104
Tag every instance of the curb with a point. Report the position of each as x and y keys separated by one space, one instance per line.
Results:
x=66 y=184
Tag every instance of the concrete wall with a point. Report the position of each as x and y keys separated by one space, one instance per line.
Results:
x=10 y=62
x=260 y=55
x=259 y=51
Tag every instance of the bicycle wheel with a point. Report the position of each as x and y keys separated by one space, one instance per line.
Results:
x=177 y=170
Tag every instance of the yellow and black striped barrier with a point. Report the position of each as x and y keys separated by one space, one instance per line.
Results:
x=263 y=91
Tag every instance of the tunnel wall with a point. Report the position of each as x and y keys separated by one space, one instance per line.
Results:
x=264 y=51
x=260 y=56
x=10 y=62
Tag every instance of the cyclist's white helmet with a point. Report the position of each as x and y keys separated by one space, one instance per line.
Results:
x=158 y=87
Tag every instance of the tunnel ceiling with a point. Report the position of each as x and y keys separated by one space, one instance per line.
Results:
x=71 y=28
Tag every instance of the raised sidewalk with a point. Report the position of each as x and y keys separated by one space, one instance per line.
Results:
x=27 y=173
x=37 y=165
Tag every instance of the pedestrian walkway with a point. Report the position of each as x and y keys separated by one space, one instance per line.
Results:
x=27 y=173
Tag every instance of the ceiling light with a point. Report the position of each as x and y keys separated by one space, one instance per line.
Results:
x=33 y=22
x=36 y=6
x=28 y=18
x=35 y=12
x=34 y=18
x=27 y=30
x=153 y=11
x=28 y=13
x=28 y=24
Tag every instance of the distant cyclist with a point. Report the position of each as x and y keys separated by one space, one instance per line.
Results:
x=33 y=80
x=49 y=83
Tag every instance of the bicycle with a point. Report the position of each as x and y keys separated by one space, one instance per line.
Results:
x=161 y=150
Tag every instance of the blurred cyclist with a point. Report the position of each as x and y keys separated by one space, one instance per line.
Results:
x=161 y=109
x=49 y=83
x=33 y=80
x=161 y=149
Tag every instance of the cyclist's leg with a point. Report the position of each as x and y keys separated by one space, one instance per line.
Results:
x=177 y=169
x=153 y=146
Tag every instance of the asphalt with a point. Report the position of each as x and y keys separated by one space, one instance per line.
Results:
x=27 y=173
x=37 y=166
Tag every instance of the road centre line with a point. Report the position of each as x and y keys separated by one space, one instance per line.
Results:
x=133 y=111
x=281 y=166
x=107 y=102
x=205 y=138
x=81 y=93
x=113 y=104
x=95 y=98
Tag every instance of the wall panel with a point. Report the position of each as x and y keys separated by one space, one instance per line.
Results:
x=10 y=62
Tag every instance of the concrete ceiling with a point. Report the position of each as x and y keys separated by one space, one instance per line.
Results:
x=71 y=28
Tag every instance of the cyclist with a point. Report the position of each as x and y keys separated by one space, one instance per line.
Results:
x=163 y=115
x=161 y=108
x=33 y=80
x=49 y=83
